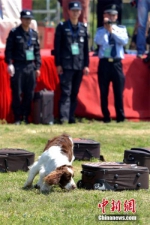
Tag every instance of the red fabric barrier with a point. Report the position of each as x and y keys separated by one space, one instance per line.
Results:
x=136 y=93
x=48 y=79
x=5 y=92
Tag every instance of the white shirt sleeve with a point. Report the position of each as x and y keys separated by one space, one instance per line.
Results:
x=120 y=35
x=100 y=36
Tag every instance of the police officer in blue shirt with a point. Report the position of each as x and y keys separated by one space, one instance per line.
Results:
x=111 y=38
x=22 y=54
x=71 y=59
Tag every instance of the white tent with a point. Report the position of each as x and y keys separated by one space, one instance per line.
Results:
x=10 y=9
x=10 y=18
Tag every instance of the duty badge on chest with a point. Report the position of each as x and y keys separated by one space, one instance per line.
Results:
x=107 y=52
x=29 y=55
x=75 y=49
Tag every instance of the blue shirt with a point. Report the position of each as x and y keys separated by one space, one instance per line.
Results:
x=119 y=34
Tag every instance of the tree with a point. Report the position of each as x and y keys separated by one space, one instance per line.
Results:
x=44 y=5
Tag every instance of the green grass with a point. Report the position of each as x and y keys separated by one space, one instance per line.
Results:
x=29 y=207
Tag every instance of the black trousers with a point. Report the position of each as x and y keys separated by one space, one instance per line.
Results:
x=111 y=72
x=70 y=82
x=101 y=4
x=22 y=85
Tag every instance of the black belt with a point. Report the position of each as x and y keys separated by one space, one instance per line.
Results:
x=23 y=61
x=111 y=59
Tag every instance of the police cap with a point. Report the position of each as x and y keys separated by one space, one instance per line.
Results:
x=75 y=5
x=26 y=14
x=111 y=9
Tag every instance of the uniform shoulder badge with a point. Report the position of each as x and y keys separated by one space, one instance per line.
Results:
x=82 y=24
x=33 y=30
x=99 y=28
x=13 y=29
x=85 y=25
x=61 y=23
x=121 y=26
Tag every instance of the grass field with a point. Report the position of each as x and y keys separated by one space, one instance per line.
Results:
x=29 y=207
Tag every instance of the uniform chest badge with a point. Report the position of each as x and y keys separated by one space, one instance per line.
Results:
x=81 y=39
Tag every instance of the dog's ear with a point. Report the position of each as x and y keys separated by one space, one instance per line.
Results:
x=53 y=178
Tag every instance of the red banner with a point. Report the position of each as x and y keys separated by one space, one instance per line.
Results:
x=26 y=4
x=46 y=37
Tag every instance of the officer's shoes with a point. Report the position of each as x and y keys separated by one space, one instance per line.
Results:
x=63 y=121
x=66 y=121
x=120 y=120
x=72 y=121
x=106 y=120
x=25 y=120
x=17 y=122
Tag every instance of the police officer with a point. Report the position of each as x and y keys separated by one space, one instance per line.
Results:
x=111 y=38
x=22 y=54
x=71 y=59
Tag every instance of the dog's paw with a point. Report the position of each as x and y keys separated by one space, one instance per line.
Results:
x=45 y=192
x=26 y=186
x=36 y=186
x=45 y=189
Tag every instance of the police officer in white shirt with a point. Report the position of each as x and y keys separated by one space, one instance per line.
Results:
x=111 y=39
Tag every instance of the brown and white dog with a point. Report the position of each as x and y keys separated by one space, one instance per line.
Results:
x=54 y=165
